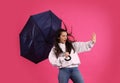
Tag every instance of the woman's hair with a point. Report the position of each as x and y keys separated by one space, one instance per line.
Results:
x=68 y=43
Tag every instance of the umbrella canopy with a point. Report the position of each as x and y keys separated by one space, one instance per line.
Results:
x=37 y=36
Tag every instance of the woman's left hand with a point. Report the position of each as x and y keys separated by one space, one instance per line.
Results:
x=93 y=37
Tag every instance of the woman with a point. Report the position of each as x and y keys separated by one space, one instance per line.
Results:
x=64 y=55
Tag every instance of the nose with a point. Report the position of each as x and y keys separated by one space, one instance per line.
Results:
x=65 y=38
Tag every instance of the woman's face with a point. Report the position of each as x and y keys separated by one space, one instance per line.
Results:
x=63 y=37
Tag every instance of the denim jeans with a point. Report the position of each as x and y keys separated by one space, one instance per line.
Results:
x=70 y=73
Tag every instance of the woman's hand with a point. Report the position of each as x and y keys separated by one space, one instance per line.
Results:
x=93 y=38
x=66 y=54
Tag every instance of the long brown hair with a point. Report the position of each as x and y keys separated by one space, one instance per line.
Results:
x=68 y=43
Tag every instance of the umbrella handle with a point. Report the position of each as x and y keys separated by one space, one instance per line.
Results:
x=68 y=58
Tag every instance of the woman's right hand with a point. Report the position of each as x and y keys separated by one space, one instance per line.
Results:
x=66 y=54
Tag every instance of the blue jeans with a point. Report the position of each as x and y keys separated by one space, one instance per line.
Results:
x=70 y=73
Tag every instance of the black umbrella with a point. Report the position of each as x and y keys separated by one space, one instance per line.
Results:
x=37 y=36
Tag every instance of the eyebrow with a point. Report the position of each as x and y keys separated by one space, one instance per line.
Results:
x=64 y=35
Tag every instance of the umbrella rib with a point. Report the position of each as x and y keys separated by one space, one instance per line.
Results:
x=32 y=36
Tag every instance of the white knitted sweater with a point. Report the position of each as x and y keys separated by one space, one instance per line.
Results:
x=60 y=62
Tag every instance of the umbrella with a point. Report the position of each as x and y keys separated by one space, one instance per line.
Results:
x=37 y=36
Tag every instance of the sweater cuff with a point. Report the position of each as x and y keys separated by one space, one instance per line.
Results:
x=91 y=44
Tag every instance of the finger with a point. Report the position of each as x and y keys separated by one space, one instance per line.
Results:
x=94 y=34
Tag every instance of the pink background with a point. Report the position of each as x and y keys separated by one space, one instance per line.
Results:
x=101 y=65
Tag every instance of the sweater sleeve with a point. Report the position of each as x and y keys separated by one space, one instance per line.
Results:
x=83 y=46
x=58 y=62
x=53 y=59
